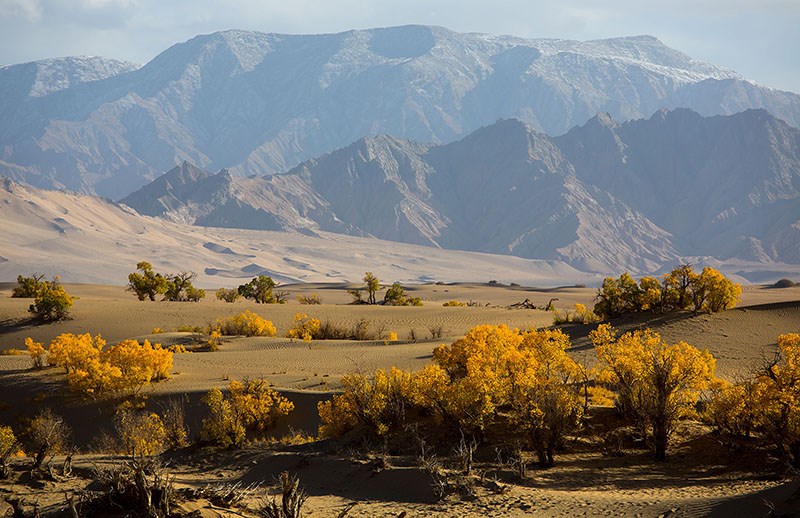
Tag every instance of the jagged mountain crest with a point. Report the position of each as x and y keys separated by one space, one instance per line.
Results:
x=604 y=197
x=258 y=103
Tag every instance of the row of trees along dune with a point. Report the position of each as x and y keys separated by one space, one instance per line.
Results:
x=681 y=289
x=495 y=385
x=502 y=385
x=395 y=294
x=147 y=284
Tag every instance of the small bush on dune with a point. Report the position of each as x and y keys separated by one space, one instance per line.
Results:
x=173 y=415
x=375 y=402
x=312 y=299
x=141 y=434
x=454 y=303
x=359 y=331
x=95 y=371
x=396 y=296
x=580 y=315
x=48 y=435
x=250 y=406
x=244 y=324
x=292 y=500
x=228 y=295
x=304 y=328
x=29 y=287
x=37 y=353
x=52 y=302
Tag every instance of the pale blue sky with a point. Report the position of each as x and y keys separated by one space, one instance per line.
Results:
x=758 y=38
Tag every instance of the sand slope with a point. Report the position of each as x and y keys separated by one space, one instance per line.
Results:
x=701 y=478
x=88 y=239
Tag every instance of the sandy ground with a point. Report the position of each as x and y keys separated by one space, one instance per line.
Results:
x=698 y=480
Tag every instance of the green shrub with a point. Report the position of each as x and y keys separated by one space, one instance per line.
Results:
x=227 y=295
x=396 y=296
x=52 y=302
x=147 y=284
x=29 y=287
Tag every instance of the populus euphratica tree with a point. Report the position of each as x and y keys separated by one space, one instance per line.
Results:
x=146 y=283
x=656 y=383
x=373 y=285
x=681 y=289
x=767 y=405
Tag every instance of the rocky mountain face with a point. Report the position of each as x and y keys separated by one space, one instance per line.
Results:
x=257 y=103
x=604 y=197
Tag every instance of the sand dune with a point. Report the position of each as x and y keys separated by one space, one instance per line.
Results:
x=697 y=480
x=88 y=239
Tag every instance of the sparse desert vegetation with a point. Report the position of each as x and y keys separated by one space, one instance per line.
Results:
x=484 y=406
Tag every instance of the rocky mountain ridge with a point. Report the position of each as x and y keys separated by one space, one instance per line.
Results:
x=607 y=196
x=257 y=103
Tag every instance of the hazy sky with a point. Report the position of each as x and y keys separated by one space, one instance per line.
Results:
x=758 y=38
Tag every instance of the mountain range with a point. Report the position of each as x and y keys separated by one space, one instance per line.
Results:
x=256 y=103
x=605 y=197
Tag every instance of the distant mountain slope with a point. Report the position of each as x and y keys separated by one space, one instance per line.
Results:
x=87 y=239
x=259 y=103
x=604 y=197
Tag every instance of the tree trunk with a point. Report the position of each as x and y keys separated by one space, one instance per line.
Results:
x=660 y=440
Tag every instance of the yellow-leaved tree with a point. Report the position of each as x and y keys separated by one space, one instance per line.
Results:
x=713 y=292
x=656 y=383
x=377 y=402
x=769 y=403
x=94 y=371
x=244 y=324
x=304 y=328
x=493 y=373
x=250 y=406
x=528 y=374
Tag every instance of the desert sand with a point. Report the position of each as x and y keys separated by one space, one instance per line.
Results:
x=700 y=478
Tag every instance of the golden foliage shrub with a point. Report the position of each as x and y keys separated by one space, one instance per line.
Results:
x=579 y=315
x=680 y=289
x=122 y=369
x=492 y=374
x=245 y=324
x=8 y=447
x=141 y=434
x=732 y=409
x=304 y=327
x=249 y=406
x=37 y=353
x=656 y=383
x=376 y=402
x=454 y=304
x=74 y=351
x=313 y=299
x=768 y=404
